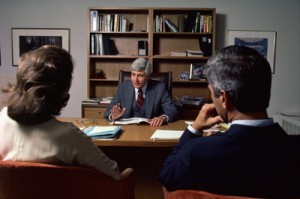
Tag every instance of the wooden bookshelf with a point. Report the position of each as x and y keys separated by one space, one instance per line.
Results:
x=103 y=69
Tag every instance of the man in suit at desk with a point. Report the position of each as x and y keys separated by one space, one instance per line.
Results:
x=255 y=157
x=154 y=102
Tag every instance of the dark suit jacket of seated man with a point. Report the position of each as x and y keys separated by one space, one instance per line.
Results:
x=255 y=157
x=157 y=101
x=157 y=105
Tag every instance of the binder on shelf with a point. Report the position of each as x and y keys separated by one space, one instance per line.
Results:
x=142 y=48
x=206 y=45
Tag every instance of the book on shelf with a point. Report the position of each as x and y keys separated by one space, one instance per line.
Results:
x=166 y=135
x=187 y=53
x=194 y=53
x=132 y=120
x=181 y=22
x=106 y=100
x=159 y=24
x=103 y=132
x=171 y=25
x=197 y=23
x=91 y=101
x=197 y=52
x=190 y=22
x=102 y=45
x=179 y=54
x=94 y=20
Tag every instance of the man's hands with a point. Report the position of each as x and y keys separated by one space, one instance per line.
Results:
x=116 y=111
x=206 y=118
x=158 y=121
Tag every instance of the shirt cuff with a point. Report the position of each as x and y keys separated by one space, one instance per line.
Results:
x=109 y=118
x=167 y=118
x=194 y=131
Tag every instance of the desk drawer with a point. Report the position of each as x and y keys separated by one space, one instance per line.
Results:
x=96 y=113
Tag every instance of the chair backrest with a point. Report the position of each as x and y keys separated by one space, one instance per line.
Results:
x=37 y=180
x=162 y=76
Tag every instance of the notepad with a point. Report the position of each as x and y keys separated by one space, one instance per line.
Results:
x=166 y=134
x=103 y=132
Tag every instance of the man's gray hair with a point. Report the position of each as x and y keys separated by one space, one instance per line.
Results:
x=141 y=64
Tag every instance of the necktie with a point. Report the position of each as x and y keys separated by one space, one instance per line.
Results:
x=140 y=99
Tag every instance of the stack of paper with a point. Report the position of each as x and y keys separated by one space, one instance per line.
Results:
x=166 y=135
x=103 y=132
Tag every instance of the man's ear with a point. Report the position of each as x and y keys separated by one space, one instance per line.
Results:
x=224 y=99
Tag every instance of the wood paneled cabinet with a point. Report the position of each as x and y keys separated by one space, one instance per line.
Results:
x=114 y=35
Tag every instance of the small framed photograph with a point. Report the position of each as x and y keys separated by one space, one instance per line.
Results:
x=262 y=41
x=25 y=39
x=183 y=76
x=197 y=71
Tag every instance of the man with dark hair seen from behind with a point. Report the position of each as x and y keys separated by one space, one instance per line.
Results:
x=254 y=157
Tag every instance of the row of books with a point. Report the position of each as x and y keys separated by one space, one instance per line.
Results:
x=162 y=24
x=108 y=22
x=203 y=23
x=193 y=22
x=101 y=44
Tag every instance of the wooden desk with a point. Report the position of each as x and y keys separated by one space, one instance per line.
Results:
x=135 y=149
x=187 y=112
x=136 y=135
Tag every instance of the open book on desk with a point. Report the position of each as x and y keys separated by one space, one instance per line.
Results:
x=103 y=132
x=166 y=135
x=132 y=120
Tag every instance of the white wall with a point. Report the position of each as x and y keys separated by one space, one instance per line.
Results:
x=268 y=15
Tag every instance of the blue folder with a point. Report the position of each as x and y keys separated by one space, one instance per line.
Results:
x=103 y=132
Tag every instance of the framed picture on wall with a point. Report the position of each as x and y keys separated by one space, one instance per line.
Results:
x=262 y=41
x=25 y=39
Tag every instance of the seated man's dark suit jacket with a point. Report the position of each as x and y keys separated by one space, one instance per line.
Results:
x=157 y=100
x=245 y=160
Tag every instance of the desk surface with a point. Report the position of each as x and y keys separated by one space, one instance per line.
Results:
x=132 y=135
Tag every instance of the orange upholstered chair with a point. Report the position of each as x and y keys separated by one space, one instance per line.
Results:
x=27 y=180
x=195 y=194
